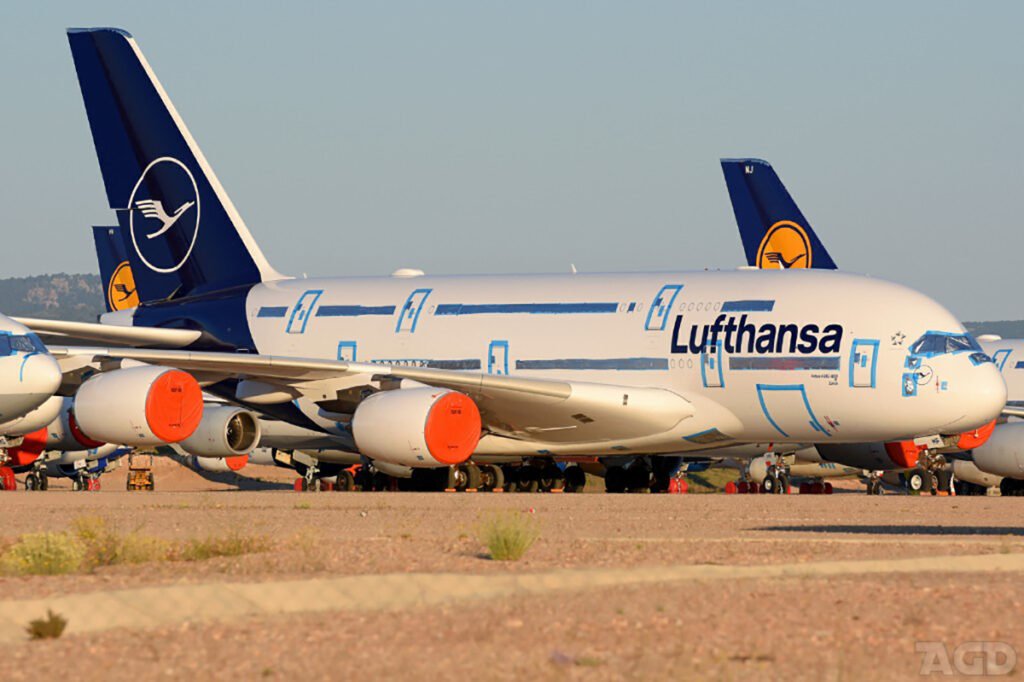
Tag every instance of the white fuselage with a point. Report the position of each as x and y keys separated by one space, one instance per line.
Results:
x=836 y=373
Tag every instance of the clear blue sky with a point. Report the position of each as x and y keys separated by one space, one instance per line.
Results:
x=356 y=138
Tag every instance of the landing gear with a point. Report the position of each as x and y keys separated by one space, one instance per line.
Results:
x=874 y=486
x=943 y=482
x=492 y=477
x=551 y=478
x=775 y=483
x=346 y=481
x=575 y=479
x=965 y=488
x=615 y=480
x=920 y=481
x=1011 y=487
x=37 y=481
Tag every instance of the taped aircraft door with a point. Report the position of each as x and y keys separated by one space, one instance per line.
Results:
x=661 y=306
x=302 y=311
x=497 y=358
x=864 y=363
x=711 y=369
x=410 y=314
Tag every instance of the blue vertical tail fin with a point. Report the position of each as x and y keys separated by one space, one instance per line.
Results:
x=182 y=234
x=775 y=234
x=116 y=275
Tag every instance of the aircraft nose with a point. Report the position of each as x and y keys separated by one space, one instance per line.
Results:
x=982 y=397
x=40 y=374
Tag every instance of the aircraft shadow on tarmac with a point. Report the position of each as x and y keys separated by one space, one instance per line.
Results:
x=904 y=529
x=231 y=478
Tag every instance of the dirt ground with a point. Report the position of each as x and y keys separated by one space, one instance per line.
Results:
x=816 y=601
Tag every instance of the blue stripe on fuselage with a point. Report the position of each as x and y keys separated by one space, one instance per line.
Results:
x=354 y=310
x=527 y=308
x=638 y=364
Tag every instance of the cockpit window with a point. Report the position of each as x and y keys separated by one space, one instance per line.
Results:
x=20 y=343
x=938 y=343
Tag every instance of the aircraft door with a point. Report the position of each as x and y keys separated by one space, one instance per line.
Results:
x=497 y=358
x=863 y=363
x=302 y=311
x=347 y=351
x=711 y=371
x=661 y=306
x=410 y=314
x=1000 y=357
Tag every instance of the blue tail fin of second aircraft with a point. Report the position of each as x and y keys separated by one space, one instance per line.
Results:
x=775 y=234
x=116 y=272
x=181 y=233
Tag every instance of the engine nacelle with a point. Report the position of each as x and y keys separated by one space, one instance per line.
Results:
x=417 y=427
x=139 y=406
x=225 y=431
x=872 y=456
x=219 y=464
x=37 y=419
x=1003 y=454
x=63 y=433
x=968 y=471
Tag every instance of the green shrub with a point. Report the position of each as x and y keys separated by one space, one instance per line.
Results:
x=43 y=554
x=507 y=536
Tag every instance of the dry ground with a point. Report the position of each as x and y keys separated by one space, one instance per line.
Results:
x=800 y=616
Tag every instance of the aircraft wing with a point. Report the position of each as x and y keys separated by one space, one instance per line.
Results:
x=1013 y=411
x=519 y=407
x=94 y=331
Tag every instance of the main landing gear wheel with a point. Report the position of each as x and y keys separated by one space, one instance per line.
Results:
x=874 y=487
x=575 y=479
x=471 y=476
x=920 y=481
x=551 y=478
x=1011 y=487
x=638 y=478
x=346 y=481
x=32 y=482
x=527 y=479
x=491 y=477
x=615 y=480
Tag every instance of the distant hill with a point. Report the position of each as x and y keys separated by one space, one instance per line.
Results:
x=1008 y=329
x=55 y=297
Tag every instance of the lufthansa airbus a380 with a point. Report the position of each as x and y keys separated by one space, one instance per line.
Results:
x=421 y=371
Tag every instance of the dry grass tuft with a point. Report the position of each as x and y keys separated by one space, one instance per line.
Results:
x=43 y=554
x=508 y=535
x=50 y=627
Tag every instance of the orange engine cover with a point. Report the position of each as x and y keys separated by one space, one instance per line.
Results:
x=904 y=453
x=969 y=440
x=31 y=447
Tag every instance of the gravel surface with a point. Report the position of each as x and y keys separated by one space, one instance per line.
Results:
x=839 y=627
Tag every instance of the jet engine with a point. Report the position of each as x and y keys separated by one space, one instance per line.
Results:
x=225 y=431
x=1003 y=454
x=219 y=464
x=417 y=427
x=872 y=456
x=139 y=406
x=63 y=433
